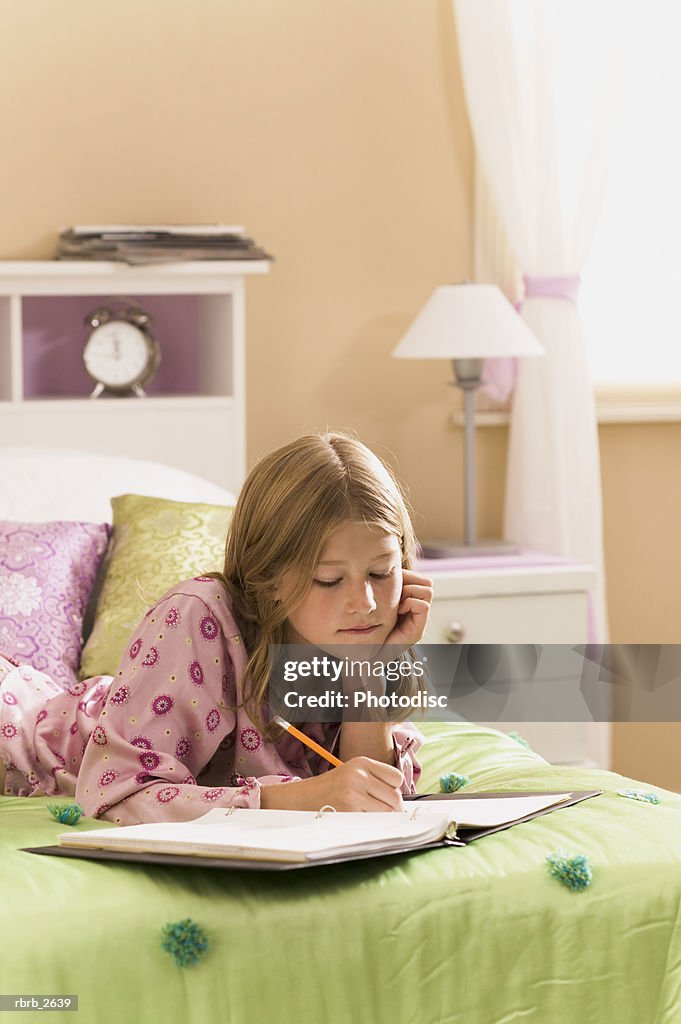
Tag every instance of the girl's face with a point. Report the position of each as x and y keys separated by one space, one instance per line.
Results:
x=355 y=590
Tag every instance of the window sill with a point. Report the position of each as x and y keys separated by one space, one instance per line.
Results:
x=614 y=404
x=644 y=403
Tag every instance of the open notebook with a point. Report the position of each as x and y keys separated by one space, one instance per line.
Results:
x=276 y=838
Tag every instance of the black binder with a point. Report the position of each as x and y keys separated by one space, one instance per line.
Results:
x=464 y=836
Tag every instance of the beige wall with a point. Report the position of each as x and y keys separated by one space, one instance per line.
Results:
x=642 y=513
x=337 y=133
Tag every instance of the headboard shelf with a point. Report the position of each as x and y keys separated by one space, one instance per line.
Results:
x=194 y=414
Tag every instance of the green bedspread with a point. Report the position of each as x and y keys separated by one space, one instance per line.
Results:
x=474 y=935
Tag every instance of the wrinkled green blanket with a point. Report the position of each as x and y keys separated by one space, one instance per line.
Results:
x=477 y=935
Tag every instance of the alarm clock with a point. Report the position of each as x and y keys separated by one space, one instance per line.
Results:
x=121 y=354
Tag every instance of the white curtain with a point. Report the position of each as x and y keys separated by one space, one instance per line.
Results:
x=544 y=154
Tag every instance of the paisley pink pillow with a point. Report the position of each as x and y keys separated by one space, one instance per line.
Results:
x=47 y=571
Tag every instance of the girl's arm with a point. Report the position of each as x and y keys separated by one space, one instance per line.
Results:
x=392 y=743
x=164 y=718
x=368 y=739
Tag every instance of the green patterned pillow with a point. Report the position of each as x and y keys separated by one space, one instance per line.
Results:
x=155 y=544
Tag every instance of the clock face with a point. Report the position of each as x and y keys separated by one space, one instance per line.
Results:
x=117 y=354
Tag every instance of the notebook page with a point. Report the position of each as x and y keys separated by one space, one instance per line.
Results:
x=248 y=830
x=469 y=812
x=306 y=834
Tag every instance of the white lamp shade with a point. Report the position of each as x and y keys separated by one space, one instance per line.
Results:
x=468 y=321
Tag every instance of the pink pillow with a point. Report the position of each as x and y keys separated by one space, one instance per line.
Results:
x=47 y=571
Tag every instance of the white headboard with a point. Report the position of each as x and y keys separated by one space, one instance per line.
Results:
x=47 y=484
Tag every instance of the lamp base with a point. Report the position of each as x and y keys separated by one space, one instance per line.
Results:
x=455 y=549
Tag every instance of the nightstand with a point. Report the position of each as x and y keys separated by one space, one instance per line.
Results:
x=528 y=598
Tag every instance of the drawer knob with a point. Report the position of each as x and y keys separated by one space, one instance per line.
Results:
x=454 y=633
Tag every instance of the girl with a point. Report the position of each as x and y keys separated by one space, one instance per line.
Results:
x=319 y=550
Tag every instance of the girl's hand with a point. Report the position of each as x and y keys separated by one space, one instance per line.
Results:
x=412 y=611
x=361 y=784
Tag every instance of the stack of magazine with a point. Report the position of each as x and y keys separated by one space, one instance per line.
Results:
x=156 y=243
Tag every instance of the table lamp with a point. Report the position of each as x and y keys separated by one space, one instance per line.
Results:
x=468 y=323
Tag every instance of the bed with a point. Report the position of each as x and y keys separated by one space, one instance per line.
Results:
x=475 y=935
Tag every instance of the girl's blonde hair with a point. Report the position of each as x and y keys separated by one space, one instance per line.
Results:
x=291 y=502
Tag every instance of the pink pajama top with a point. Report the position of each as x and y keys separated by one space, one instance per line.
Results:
x=158 y=742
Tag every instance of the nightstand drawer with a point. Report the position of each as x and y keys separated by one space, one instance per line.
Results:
x=509 y=619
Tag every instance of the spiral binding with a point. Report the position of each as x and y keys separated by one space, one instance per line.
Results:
x=326 y=809
x=322 y=810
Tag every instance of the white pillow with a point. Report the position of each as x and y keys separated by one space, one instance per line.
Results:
x=45 y=484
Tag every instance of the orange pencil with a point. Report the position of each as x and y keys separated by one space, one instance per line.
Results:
x=306 y=740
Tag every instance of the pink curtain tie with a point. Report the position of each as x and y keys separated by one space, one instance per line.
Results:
x=499 y=375
x=552 y=287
